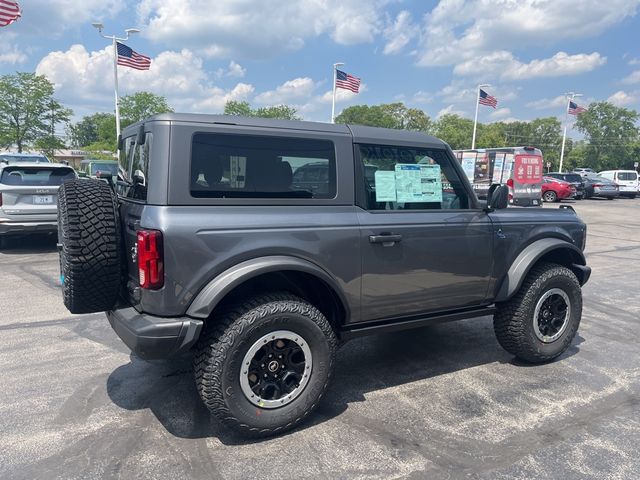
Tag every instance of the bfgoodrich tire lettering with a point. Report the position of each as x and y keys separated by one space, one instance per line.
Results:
x=227 y=339
x=514 y=321
x=91 y=246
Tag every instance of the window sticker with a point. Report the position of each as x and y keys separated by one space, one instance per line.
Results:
x=385 y=183
x=418 y=183
x=497 y=168
x=469 y=164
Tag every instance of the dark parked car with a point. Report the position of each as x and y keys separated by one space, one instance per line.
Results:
x=601 y=187
x=574 y=179
x=223 y=255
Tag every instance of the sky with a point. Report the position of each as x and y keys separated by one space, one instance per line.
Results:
x=427 y=54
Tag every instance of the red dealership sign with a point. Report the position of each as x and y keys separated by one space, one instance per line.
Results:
x=527 y=169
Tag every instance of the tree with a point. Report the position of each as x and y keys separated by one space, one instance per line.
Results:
x=25 y=102
x=56 y=114
x=390 y=115
x=454 y=130
x=141 y=105
x=243 y=109
x=95 y=132
x=612 y=133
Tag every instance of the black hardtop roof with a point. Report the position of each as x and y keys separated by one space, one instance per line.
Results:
x=360 y=133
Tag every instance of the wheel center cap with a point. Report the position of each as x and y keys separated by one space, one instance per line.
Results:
x=273 y=366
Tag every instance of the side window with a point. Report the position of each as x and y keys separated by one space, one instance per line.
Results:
x=134 y=160
x=408 y=178
x=252 y=166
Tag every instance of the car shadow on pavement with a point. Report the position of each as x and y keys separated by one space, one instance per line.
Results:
x=29 y=244
x=363 y=365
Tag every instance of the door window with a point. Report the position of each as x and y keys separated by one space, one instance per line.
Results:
x=410 y=178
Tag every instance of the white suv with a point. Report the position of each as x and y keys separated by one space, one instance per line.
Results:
x=627 y=180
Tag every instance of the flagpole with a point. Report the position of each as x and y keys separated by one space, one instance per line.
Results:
x=115 y=82
x=333 y=101
x=114 y=39
x=570 y=96
x=475 y=120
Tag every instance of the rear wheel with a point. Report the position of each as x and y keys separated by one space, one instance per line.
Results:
x=262 y=366
x=90 y=246
x=550 y=196
x=540 y=321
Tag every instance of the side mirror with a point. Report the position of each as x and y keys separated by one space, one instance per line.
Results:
x=139 y=178
x=498 y=197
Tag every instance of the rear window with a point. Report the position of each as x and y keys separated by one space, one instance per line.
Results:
x=627 y=176
x=248 y=166
x=34 y=176
x=572 y=177
x=110 y=168
x=23 y=158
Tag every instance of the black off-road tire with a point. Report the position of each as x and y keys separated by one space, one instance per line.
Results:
x=226 y=340
x=90 y=246
x=514 y=321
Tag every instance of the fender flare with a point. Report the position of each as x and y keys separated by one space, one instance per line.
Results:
x=530 y=255
x=212 y=293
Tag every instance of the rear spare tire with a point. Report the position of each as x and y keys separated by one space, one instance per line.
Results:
x=90 y=246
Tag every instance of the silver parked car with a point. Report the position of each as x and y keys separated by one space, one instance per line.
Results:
x=601 y=187
x=29 y=196
x=12 y=158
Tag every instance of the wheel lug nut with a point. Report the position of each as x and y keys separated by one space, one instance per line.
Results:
x=265 y=375
x=262 y=366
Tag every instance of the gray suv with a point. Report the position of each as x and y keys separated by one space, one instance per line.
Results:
x=258 y=246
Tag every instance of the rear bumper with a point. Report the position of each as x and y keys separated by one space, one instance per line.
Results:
x=18 y=227
x=152 y=337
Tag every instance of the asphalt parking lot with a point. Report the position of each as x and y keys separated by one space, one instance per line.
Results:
x=439 y=402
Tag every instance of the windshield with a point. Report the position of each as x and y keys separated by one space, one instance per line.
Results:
x=35 y=176
x=11 y=159
x=569 y=177
x=111 y=168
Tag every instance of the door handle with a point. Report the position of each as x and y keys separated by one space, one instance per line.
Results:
x=386 y=239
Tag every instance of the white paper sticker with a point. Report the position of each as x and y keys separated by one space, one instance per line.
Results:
x=408 y=184
x=431 y=180
x=385 y=186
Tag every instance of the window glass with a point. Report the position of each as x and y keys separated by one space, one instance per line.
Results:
x=134 y=163
x=626 y=176
x=403 y=178
x=248 y=166
x=36 y=177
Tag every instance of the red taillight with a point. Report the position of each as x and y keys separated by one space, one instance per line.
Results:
x=510 y=185
x=598 y=185
x=150 y=259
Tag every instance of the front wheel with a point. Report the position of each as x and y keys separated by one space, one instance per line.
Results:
x=550 y=196
x=263 y=366
x=540 y=321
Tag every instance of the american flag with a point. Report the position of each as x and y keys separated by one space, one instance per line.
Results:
x=9 y=12
x=129 y=58
x=488 y=100
x=346 y=81
x=575 y=109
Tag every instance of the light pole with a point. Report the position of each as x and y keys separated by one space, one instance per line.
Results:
x=475 y=120
x=333 y=102
x=114 y=39
x=570 y=96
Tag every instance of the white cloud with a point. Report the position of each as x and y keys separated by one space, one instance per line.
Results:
x=502 y=64
x=634 y=61
x=12 y=55
x=632 y=78
x=624 y=99
x=500 y=113
x=450 y=109
x=399 y=33
x=548 y=103
x=456 y=31
x=288 y=92
x=85 y=78
x=242 y=28
x=234 y=70
x=54 y=16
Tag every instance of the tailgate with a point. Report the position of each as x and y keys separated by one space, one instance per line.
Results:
x=32 y=190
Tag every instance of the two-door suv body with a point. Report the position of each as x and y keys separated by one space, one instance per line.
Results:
x=259 y=245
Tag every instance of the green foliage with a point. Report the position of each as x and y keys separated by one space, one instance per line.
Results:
x=454 y=130
x=95 y=132
x=390 y=115
x=612 y=136
x=243 y=109
x=141 y=105
x=26 y=106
